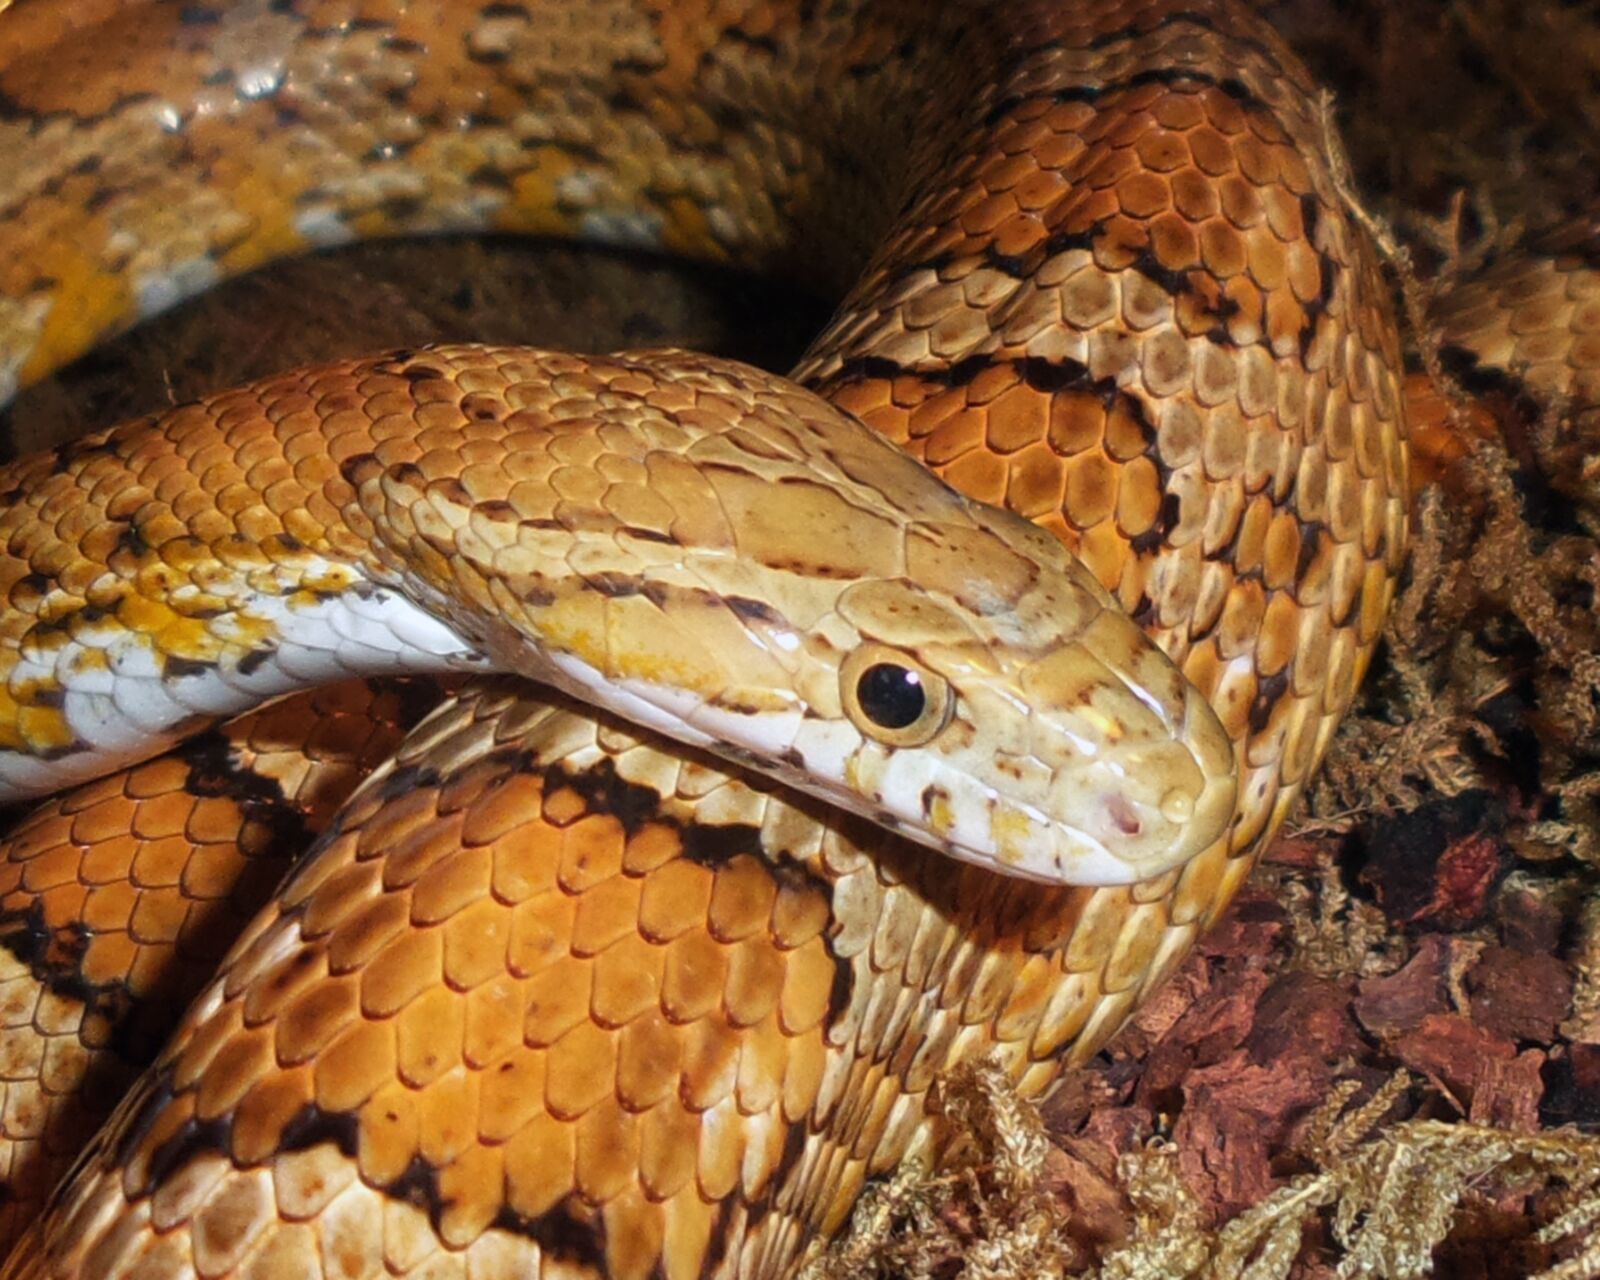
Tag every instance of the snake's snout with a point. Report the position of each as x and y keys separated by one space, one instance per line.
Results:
x=1142 y=775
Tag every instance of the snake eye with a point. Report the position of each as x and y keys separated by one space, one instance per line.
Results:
x=892 y=698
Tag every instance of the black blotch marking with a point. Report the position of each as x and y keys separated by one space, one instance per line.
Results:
x=572 y=1232
x=752 y=610
x=136 y=1024
x=401 y=208
x=311 y=1126
x=254 y=661
x=760 y=44
x=406 y=779
x=193 y=1137
x=1311 y=534
x=81 y=450
x=1155 y=537
x=614 y=586
x=100 y=197
x=408 y=473
x=1268 y=693
x=648 y=535
x=1310 y=216
x=1316 y=308
x=14 y=111
x=176 y=668
x=722 y=1234
x=791 y=756
x=130 y=542
x=359 y=468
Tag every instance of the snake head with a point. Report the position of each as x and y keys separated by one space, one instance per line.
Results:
x=991 y=702
x=1049 y=739
x=795 y=594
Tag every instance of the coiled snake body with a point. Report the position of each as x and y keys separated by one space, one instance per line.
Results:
x=550 y=996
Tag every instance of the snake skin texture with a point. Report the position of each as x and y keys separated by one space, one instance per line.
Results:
x=1532 y=314
x=119 y=898
x=549 y=998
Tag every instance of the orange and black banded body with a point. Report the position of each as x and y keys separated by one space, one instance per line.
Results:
x=549 y=997
x=119 y=898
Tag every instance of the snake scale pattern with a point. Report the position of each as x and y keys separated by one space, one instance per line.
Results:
x=550 y=995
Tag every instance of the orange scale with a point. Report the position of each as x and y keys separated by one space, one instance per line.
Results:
x=105 y=862
x=354 y=1067
x=107 y=908
x=580 y=1071
x=158 y=917
x=1211 y=151
x=668 y=1147
x=1143 y=195
x=607 y=1153
x=693 y=977
x=107 y=959
x=428 y=1036
x=627 y=981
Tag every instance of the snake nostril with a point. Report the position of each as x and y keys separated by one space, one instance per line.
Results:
x=1123 y=816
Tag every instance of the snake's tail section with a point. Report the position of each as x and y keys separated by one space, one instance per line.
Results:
x=546 y=997
x=1521 y=329
x=119 y=898
x=1530 y=313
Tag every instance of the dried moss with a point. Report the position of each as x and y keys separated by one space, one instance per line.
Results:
x=1378 y=1202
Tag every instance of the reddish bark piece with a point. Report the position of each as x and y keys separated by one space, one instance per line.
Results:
x=1166 y=1007
x=1398 y=1003
x=1083 y=1177
x=1520 y=996
x=1255 y=926
x=1506 y=1092
x=1304 y=1015
x=1306 y=852
x=1210 y=1031
x=1235 y=1116
x=1120 y=1129
x=1449 y=1050
x=1467 y=871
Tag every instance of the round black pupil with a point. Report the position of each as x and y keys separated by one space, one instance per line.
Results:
x=891 y=696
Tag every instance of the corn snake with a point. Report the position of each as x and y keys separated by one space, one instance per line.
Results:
x=1092 y=396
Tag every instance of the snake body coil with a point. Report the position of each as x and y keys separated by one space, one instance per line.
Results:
x=549 y=997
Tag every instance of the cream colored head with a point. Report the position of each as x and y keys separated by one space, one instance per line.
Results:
x=1048 y=738
x=812 y=602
